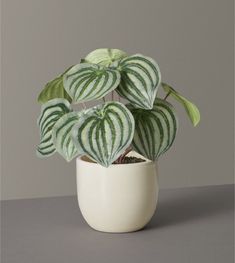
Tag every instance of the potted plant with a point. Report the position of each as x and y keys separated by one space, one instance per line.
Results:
x=116 y=144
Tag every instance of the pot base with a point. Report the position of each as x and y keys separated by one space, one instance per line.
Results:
x=116 y=232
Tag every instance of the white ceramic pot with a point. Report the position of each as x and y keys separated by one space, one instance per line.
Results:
x=120 y=198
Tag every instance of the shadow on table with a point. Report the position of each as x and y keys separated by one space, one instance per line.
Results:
x=185 y=205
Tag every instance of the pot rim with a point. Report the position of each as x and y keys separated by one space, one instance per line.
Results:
x=132 y=153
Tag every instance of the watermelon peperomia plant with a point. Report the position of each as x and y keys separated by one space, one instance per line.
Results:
x=106 y=133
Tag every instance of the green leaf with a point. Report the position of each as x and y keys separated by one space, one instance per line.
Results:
x=140 y=78
x=85 y=82
x=104 y=132
x=51 y=112
x=104 y=56
x=155 y=129
x=191 y=109
x=61 y=135
x=54 y=89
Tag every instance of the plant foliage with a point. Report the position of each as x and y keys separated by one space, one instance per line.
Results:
x=190 y=108
x=85 y=82
x=62 y=135
x=155 y=129
x=51 y=112
x=104 y=132
x=54 y=89
x=104 y=56
x=107 y=132
x=140 y=80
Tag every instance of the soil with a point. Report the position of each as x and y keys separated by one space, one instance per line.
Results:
x=131 y=159
x=127 y=159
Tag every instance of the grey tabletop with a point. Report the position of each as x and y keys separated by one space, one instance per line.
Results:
x=190 y=225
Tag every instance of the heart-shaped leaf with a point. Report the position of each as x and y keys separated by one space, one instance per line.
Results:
x=54 y=89
x=61 y=135
x=51 y=112
x=190 y=108
x=104 y=56
x=155 y=129
x=104 y=132
x=85 y=82
x=140 y=78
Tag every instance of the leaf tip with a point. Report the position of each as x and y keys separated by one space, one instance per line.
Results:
x=197 y=121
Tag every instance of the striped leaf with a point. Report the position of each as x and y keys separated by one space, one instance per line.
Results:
x=61 y=135
x=104 y=56
x=155 y=129
x=85 y=82
x=190 y=108
x=104 y=132
x=51 y=112
x=54 y=89
x=140 y=78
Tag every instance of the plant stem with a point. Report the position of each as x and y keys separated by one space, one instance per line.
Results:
x=121 y=158
x=119 y=98
x=129 y=149
x=104 y=99
x=169 y=92
x=112 y=95
x=84 y=105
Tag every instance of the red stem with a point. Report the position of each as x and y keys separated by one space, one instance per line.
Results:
x=121 y=158
x=167 y=95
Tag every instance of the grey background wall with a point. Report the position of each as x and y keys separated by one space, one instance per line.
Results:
x=191 y=40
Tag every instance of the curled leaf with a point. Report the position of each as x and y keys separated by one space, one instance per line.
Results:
x=104 y=56
x=51 y=112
